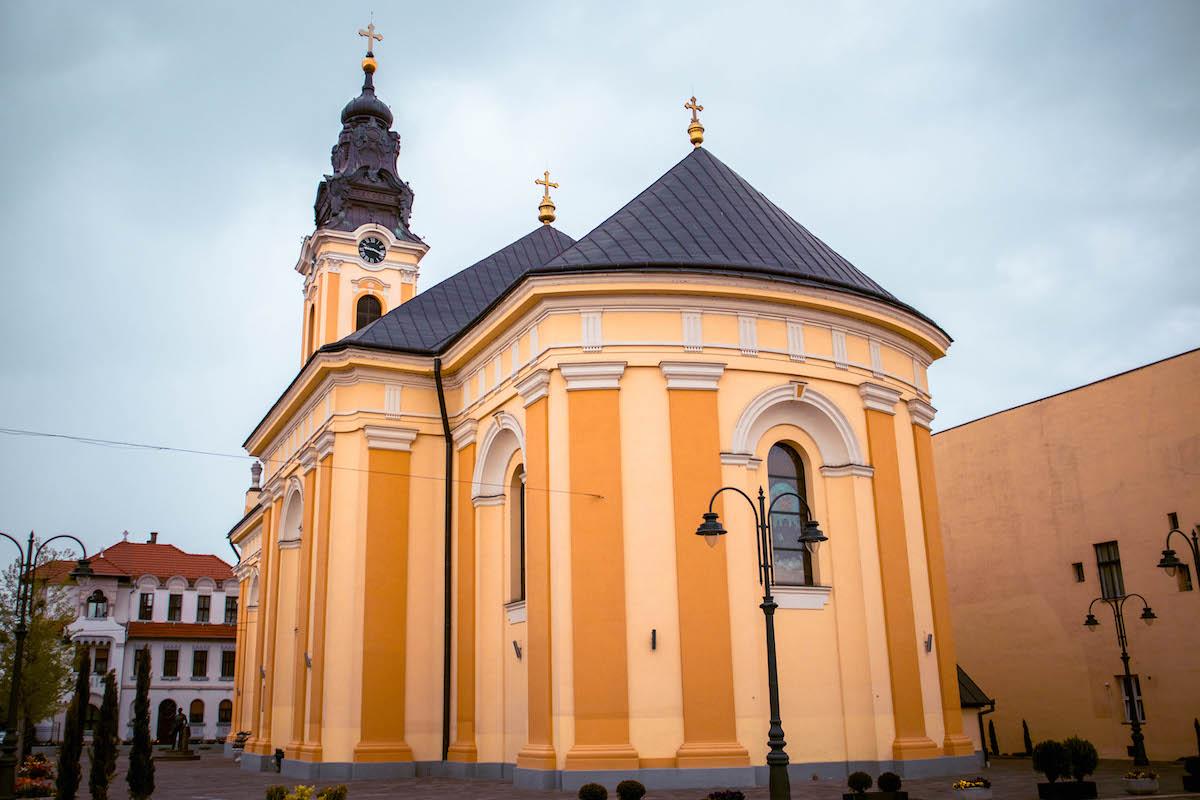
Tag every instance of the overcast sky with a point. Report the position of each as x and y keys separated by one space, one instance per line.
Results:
x=1027 y=174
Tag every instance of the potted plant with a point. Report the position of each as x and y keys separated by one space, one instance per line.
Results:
x=630 y=790
x=1141 y=781
x=593 y=791
x=858 y=782
x=889 y=788
x=977 y=788
x=1083 y=759
x=1050 y=759
x=1191 y=781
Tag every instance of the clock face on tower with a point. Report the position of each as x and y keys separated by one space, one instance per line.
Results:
x=371 y=250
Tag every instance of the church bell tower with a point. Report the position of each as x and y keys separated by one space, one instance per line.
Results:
x=362 y=259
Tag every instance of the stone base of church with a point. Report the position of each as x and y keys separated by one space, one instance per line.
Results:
x=254 y=762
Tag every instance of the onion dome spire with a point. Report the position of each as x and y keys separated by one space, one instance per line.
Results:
x=695 y=130
x=365 y=187
x=546 y=207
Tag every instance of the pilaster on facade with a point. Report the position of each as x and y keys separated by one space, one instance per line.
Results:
x=324 y=442
x=464 y=433
x=534 y=386
x=381 y=438
x=595 y=375
x=879 y=398
x=692 y=374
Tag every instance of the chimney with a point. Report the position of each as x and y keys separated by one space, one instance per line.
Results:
x=153 y=537
x=255 y=485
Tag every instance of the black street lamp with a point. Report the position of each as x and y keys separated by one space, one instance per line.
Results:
x=1117 y=604
x=1170 y=562
x=811 y=537
x=25 y=574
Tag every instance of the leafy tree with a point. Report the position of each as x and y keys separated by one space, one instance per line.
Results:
x=992 y=737
x=69 y=772
x=47 y=673
x=105 y=741
x=141 y=761
x=1027 y=738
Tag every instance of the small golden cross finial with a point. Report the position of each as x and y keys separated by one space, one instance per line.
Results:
x=371 y=35
x=546 y=207
x=695 y=130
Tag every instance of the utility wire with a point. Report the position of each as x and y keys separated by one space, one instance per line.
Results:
x=162 y=448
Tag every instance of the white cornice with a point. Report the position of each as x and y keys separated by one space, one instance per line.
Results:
x=464 y=434
x=488 y=500
x=879 y=398
x=381 y=438
x=691 y=374
x=844 y=470
x=308 y=459
x=324 y=443
x=741 y=460
x=593 y=375
x=921 y=412
x=534 y=386
x=289 y=544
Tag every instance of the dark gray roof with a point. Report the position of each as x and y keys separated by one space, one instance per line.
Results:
x=969 y=693
x=701 y=214
x=434 y=318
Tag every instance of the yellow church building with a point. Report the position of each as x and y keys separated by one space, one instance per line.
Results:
x=474 y=552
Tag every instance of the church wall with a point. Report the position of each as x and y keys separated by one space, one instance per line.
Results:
x=562 y=630
x=284 y=646
x=655 y=699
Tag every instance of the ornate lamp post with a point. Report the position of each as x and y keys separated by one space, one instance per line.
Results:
x=25 y=574
x=811 y=538
x=1117 y=604
x=1170 y=562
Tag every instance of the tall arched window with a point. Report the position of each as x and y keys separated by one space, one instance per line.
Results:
x=196 y=712
x=312 y=328
x=225 y=712
x=97 y=605
x=368 y=310
x=516 y=549
x=785 y=473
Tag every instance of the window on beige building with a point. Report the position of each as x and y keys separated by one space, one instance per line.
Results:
x=785 y=473
x=1108 y=564
x=1131 y=696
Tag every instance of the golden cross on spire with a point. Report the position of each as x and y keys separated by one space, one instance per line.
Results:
x=546 y=207
x=371 y=35
x=695 y=130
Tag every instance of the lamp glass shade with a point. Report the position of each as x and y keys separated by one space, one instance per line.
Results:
x=1148 y=615
x=1091 y=623
x=710 y=529
x=1170 y=562
x=82 y=568
x=812 y=537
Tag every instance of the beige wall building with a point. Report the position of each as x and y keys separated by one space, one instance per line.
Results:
x=1051 y=504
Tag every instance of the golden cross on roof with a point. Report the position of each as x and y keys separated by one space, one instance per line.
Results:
x=372 y=36
x=694 y=107
x=695 y=130
x=545 y=181
x=546 y=207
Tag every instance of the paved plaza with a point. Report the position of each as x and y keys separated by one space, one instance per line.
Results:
x=215 y=777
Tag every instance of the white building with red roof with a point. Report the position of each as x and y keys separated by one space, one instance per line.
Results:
x=182 y=608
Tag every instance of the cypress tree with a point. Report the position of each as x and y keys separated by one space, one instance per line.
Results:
x=992 y=737
x=69 y=772
x=141 y=760
x=1028 y=739
x=105 y=741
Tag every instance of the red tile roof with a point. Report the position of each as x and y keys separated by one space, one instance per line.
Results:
x=135 y=559
x=181 y=630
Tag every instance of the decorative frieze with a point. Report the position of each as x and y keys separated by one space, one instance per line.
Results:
x=693 y=335
x=597 y=375
x=839 y=350
x=591 y=334
x=876 y=359
x=691 y=374
x=795 y=340
x=391 y=400
x=747 y=335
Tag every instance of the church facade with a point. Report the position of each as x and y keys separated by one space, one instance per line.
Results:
x=473 y=549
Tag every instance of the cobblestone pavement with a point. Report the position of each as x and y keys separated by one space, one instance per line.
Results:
x=215 y=777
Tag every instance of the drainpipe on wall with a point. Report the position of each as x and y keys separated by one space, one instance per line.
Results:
x=983 y=741
x=446 y=628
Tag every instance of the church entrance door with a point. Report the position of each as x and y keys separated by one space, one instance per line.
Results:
x=165 y=729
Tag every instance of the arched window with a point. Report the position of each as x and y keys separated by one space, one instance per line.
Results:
x=312 y=328
x=785 y=473
x=225 y=713
x=97 y=605
x=368 y=309
x=516 y=548
x=196 y=712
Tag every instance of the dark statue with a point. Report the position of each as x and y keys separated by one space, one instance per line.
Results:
x=183 y=734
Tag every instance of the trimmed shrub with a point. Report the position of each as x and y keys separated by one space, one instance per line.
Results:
x=1082 y=756
x=889 y=782
x=69 y=771
x=630 y=790
x=338 y=792
x=104 y=741
x=140 y=775
x=593 y=791
x=992 y=737
x=276 y=792
x=859 y=782
x=1050 y=758
x=1025 y=736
